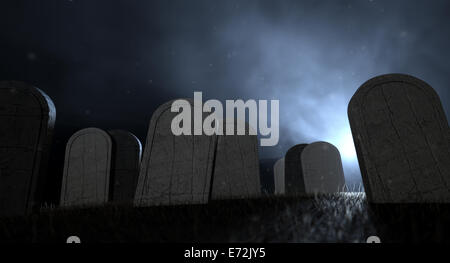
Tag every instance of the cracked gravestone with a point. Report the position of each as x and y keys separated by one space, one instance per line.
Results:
x=126 y=158
x=174 y=169
x=278 y=174
x=87 y=168
x=293 y=173
x=27 y=118
x=401 y=136
x=236 y=166
x=322 y=169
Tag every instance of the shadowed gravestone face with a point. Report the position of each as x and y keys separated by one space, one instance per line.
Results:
x=174 y=169
x=236 y=166
x=125 y=166
x=27 y=117
x=293 y=172
x=278 y=171
x=322 y=169
x=401 y=137
x=87 y=168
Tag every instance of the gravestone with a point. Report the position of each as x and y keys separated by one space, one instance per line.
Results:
x=322 y=169
x=401 y=137
x=236 y=166
x=278 y=172
x=126 y=158
x=27 y=118
x=293 y=173
x=174 y=169
x=87 y=168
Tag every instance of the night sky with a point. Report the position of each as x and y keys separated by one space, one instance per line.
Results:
x=110 y=64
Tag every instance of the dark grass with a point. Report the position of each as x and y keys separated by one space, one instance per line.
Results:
x=327 y=218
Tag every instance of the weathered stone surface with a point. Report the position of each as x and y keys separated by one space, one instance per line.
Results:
x=87 y=168
x=236 y=166
x=27 y=117
x=126 y=159
x=293 y=172
x=322 y=169
x=278 y=174
x=401 y=137
x=174 y=169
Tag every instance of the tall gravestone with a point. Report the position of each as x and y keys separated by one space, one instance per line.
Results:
x=27 y=118
x=236 y=166
x=126 y=158
x=174 y=169
x=322 y=169
x=87 y=168
x=278 y=172
x=401 y=137
x=293 y=172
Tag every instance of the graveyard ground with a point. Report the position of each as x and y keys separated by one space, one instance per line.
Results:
x=331 y=218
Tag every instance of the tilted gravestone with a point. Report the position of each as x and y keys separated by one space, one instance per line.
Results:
x=278 y=172
x=174 y=169
x=322 y=169
x=126 y=158
x=293 y=173
x=236 y=166
x=27 y=117
x=87 y=168
x=401 y=137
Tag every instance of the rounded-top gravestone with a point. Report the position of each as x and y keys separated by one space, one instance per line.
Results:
x=27 y=118
x=236 y=167
x=401 y=136
x=293 y=172
x=174 y=169
x=322 y=169
x=87 y=168
x=126 y=158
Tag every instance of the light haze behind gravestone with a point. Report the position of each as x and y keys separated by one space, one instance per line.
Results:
x=27 y=118
x=236 y=166
x=278 y=172
x=126 y=158
x=401 y=137
x=322 y=169
x=87 y=168
x=174 y=169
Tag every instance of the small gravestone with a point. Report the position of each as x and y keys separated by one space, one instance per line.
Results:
x=87 y=168
x=278 y=172
x=322 y=169
x=293 y=173
x=174 y=169
x=27 y=117
x=236 y=166
x=126 y=158
x=401 y=137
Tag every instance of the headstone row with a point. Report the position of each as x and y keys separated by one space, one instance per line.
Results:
x=398 y=123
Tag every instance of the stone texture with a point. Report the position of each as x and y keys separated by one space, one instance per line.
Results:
x=401 y=137
x=322 y=169
x=278 y=174
x=174 y=169
x=87 y=168
x=236 y=167
x=27 y=117
x=293 y=170
x=126 y=158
